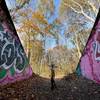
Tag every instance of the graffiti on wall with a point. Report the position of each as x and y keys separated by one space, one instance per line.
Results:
x=96 y=45
x=90 y=61
x=13 y=61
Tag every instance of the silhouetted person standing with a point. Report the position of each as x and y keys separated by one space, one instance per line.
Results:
x=53 y=84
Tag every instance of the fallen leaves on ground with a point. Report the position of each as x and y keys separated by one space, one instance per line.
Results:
x=72 y=87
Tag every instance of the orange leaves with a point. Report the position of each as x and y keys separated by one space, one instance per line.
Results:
x=47 y=28
x=40 y=17
x=30 y=25
x=37 y=43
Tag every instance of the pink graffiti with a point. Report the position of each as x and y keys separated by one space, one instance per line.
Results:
x=90 y=61
x=17 y=77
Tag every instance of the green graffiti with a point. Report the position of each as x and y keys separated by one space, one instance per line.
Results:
x=1 y=28
x=2 y=73
x=12 y=71
x=78 y=69
x=26 y=62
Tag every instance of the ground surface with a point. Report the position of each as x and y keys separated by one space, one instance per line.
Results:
x=36 y=88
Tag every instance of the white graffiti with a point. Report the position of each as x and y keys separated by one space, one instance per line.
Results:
x=96 y=45
x=11 y=53
x=97 y=51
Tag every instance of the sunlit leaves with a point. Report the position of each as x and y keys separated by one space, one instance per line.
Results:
x=39 y=17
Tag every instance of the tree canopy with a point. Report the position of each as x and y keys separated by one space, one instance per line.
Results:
x=54 y=29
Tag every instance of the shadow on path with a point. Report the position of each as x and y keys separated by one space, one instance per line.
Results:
x=38 y=88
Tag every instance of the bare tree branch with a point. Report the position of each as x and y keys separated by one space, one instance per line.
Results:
x=93 y=7
x=81 y=10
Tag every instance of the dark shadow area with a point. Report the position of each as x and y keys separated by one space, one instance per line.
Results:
x=72 y=87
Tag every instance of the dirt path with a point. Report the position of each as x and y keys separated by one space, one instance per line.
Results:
x=36 y=88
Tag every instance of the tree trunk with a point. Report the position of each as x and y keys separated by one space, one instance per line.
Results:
x=77 y=46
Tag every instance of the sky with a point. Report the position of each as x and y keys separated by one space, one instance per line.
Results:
x=56 y=12
x=10 y=3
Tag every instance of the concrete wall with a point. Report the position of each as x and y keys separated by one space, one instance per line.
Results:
x=90 y=61
x=13 y=61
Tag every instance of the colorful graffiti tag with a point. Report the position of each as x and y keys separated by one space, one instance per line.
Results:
x=13 y=61
x=90 y=61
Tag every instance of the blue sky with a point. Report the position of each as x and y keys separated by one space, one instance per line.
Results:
x=10 y=3
x=56 y=11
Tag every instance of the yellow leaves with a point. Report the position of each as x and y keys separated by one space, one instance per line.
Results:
x=37 y=44
x=36 y=28
x=40 y=17
x=34 y=22
x=21 y=1
x=29 y=27
x=29 y=24
x=47 y=28
x=36 y=49
x=30 y=46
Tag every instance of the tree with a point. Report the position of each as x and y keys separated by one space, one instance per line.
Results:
x=75 y=18
x=35 y=25
x=79 y=15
